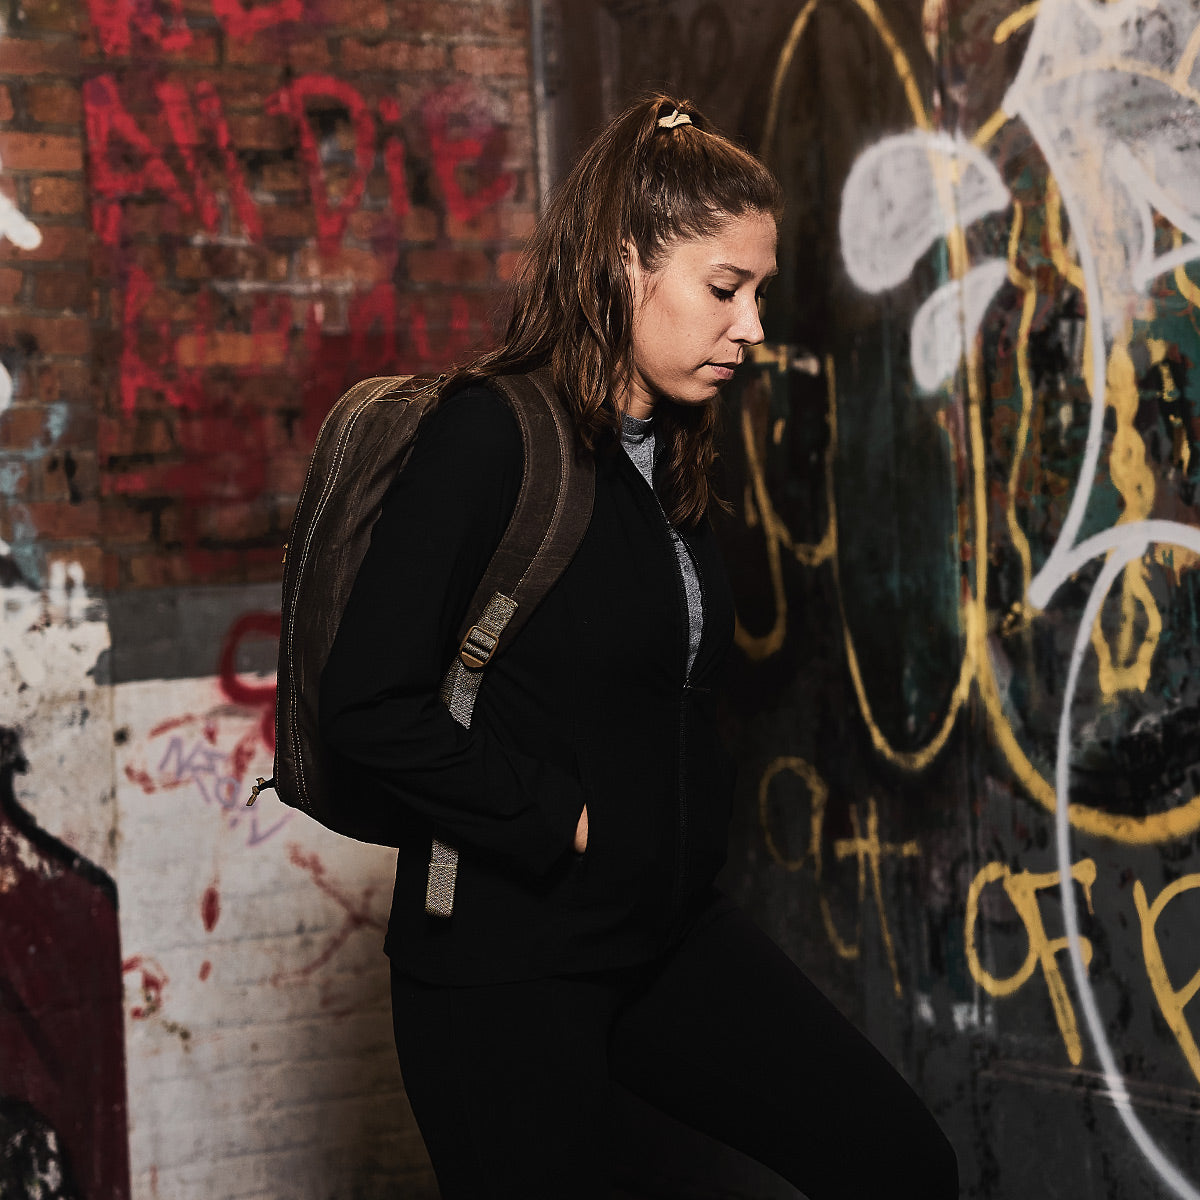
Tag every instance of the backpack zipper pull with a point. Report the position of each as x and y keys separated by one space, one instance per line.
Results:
x=259 y=785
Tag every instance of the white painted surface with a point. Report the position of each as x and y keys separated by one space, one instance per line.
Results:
x=270 y=1070
x=906 y=192
x=946 y=324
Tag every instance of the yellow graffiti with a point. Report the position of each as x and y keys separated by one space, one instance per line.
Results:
x=867 y=848
x=1012 y=24
x=912 y=760
x=1187 y=60
x=1028 y=287
x=1187 y=289
x=900 y=65
x=1171 y=1001
x=1127 y=669
x=761 y=512
x=1022 y=890
x=819 y=794
x=870 y=852
x=1123 y=665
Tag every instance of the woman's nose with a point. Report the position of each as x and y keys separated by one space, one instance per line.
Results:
x=748 y=328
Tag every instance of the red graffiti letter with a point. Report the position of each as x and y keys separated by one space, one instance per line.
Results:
x=331 y=218
x=177 y=108
x=482 y=143
x=393 y=160
x=117 y=20
x=242 y=24
x=108 y=124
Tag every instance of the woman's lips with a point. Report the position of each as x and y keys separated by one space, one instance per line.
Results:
x=723 y=370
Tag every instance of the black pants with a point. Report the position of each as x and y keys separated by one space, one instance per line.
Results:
x=510 y=1082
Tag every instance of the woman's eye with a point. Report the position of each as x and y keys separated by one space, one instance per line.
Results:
x=723 y=293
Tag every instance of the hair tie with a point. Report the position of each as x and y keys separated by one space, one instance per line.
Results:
x=674 y=118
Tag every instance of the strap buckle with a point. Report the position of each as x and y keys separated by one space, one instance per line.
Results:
x=478 y=647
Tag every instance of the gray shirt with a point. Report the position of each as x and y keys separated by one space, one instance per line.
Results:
x=637 y=439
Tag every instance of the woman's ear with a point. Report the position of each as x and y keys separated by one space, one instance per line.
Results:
x=634 y=271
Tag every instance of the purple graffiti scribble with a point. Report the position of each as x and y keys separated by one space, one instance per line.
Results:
x=219 y=777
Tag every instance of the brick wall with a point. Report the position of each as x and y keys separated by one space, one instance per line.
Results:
x=213 y=218
x=241 y=211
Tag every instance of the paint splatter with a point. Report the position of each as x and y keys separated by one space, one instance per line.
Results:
x=210 y=908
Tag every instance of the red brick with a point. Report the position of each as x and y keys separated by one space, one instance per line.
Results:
x=375 y=227
x=89 y=558
x=164 y=304
x=150 y=219
x=392 y=56
x=261 y=131
x=506 y=265
x=277 y=177
x=60 y=243
x=83 y=479
x=240 y=89
x=6 y=104
x=65 y=522
x=297 y=57
x=10 y=284
x=111 y=576
x=54 y=335
x=157 y=570
x=361 y=266
x=63 y=381
x=420 y=225
x=56 y=16
x=494 y=19
x=488 y=62
x=62 y=289
x=517 y=223
x=310 y=55
x=448 y=266
x=55 y=195
x=54 y=104
x=121 y=523
x=263 y=565
x=24 y=56
x=215 y=566
x=353 y=14
x=483 y=228
x=227 y=348
x=287 y=221
x=200 y=51
x=22 y=425
x=285 y=477
x=41 y=152
x=233 y=522
x=143 y=433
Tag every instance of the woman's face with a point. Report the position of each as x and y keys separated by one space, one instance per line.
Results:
x=694 y=316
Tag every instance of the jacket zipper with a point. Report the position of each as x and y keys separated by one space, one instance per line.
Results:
x=679 y=888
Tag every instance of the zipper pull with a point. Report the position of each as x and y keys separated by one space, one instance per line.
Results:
x=259 y=785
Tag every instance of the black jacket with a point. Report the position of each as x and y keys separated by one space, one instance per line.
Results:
x=589 y=704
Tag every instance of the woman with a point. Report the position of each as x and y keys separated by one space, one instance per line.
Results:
x=589 y=799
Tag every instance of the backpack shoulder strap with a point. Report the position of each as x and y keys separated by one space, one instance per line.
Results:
x=553 y=509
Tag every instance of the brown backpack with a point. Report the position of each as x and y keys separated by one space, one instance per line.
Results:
x=364 y=441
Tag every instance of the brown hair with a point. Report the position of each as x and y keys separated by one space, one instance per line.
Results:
x=637 y=184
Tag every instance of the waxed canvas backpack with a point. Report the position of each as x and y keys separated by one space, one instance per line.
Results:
x=363 y=442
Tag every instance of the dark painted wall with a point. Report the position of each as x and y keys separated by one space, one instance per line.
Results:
x=980 y=355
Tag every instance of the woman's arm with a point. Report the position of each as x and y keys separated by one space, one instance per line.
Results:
x=379 y=704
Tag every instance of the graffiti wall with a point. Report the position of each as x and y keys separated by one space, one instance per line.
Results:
x=215 y=217
x=964 y=471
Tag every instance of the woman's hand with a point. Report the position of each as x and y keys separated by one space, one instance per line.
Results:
x=581 y=831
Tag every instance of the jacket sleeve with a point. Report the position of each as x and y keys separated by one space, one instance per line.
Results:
x=379 y=701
